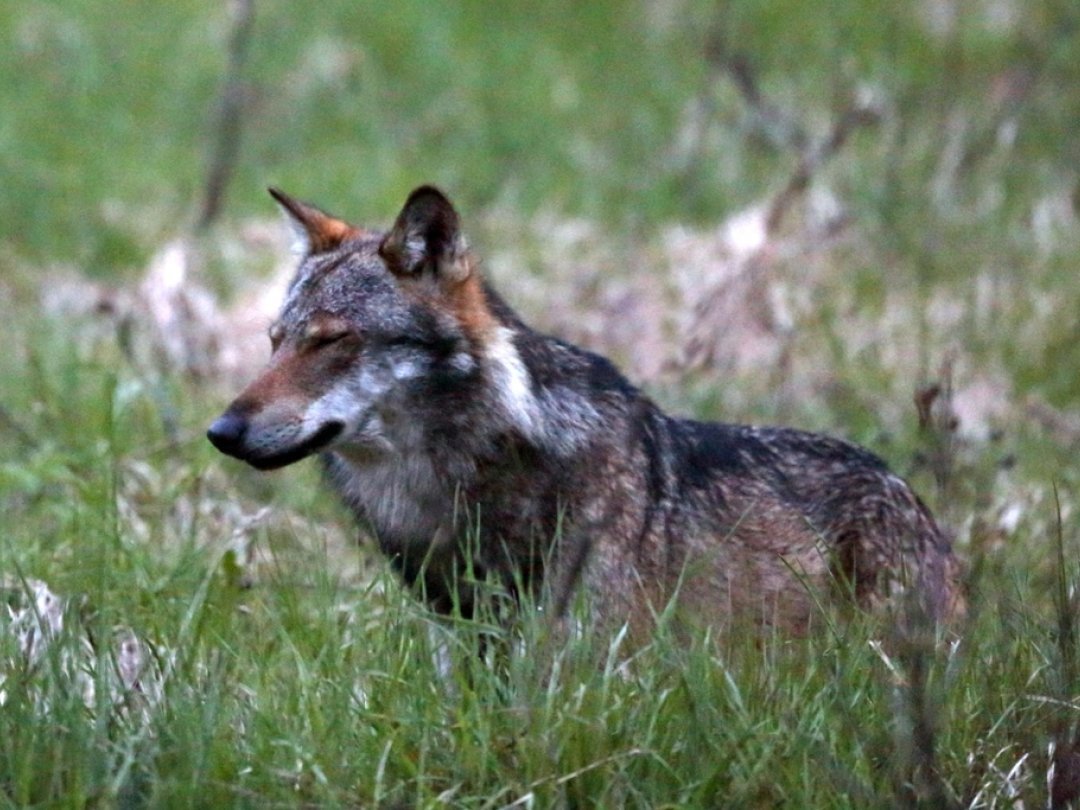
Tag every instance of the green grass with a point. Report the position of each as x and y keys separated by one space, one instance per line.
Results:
x=308 y=677
x=283 y=665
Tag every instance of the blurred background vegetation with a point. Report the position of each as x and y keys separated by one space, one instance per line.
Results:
x=615 y=110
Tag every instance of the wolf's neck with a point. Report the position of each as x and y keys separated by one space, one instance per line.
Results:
x=537 y=392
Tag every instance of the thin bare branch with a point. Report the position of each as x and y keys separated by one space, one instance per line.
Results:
x=230 y=115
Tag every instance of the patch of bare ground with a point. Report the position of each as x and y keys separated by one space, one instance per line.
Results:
x=171 y=321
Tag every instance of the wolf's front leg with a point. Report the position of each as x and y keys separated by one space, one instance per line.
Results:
x=593 y=583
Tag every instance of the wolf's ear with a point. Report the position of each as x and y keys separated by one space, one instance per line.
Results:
x=427 y=237
x=312 y=230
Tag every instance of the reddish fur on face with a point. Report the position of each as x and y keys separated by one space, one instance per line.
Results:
x=295 y=375
x=277 y=384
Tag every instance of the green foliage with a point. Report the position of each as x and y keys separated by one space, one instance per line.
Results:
x=108 y=115
x=314 y=683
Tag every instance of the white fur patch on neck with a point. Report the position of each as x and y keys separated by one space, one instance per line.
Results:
x=556 y=418
x=513 y=384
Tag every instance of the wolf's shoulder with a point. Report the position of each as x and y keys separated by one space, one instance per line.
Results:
x=554 y=363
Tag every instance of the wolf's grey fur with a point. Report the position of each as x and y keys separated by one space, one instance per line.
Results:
x=467 y=442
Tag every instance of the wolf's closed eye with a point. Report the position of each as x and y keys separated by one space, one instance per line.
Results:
x=325 y=332
x=325 y=339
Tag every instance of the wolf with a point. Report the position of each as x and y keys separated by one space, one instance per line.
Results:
x=474 y=449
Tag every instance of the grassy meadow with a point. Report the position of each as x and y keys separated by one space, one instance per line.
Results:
x=857 y=219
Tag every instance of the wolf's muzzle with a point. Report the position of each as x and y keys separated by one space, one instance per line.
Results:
x=227 y=433
x=230 y=434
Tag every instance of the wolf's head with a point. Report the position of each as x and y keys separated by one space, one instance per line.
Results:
x=380 y=338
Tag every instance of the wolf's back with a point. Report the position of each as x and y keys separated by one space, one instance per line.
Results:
x=760 y=523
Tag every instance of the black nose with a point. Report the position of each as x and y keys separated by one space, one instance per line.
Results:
x=227 y=433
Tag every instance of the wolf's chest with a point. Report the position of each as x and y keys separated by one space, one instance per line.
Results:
x=402 y=498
